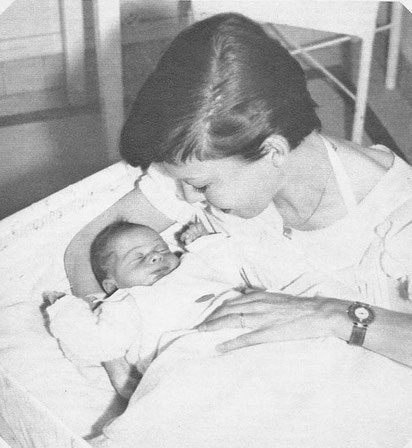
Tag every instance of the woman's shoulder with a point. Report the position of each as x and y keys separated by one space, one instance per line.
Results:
x=370 y=167
x=379 y=155
x=376 y=158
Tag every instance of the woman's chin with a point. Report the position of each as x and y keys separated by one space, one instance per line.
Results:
x=246 y=214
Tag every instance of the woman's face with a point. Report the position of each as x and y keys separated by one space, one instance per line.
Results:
x=237 y=186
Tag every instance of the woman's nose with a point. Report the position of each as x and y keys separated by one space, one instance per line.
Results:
x=191 y=195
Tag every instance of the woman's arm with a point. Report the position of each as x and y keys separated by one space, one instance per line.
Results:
x=133 y=207
x=281 y=317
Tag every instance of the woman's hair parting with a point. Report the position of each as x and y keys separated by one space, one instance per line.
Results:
x=219 y=90
x=100 y=255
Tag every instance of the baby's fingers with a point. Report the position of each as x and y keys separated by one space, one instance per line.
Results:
x=52 y=296
x=187 y=237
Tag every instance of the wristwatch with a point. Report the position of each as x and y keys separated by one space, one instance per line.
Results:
x=362 y=315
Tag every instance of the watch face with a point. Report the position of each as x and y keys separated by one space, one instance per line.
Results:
x=361 y=313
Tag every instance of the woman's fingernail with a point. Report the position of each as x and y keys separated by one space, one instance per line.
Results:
x=220 y=348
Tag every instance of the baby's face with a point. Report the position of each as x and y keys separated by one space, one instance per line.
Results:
x=141 y=257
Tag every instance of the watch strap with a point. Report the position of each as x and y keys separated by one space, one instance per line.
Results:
x=358 y=334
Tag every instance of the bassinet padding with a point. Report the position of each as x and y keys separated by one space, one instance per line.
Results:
x=32 y=245
x=45 y=430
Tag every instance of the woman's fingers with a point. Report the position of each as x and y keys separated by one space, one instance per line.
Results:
x=253 y=338
x=302 y=328
x=234 y=320
x=268 y=305
x=256 y=310
x=245 y=308
x=227 y=321
x=251 y=295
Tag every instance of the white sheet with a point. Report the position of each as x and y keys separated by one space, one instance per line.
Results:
x=312 y=394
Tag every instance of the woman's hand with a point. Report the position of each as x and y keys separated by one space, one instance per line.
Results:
x=277 y=317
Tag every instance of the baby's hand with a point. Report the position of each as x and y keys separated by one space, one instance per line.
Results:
x=123 y=376
x=193 y=232
x=51 y=297
x=125 y=386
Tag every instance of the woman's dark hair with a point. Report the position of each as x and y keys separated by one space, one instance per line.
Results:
x=100 y=256
x=219 y=90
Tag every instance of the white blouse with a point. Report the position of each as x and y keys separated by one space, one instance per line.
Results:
x=370 y=249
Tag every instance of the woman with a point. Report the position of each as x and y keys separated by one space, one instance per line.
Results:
x=225 y=129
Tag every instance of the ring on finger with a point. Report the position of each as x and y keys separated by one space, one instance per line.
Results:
x=242 y=320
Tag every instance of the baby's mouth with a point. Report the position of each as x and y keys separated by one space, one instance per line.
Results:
x=161 y=272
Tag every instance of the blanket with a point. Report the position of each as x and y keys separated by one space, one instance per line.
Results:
x=311 y=393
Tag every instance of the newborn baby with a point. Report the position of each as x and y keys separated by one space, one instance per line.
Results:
x=152 y=292
x=129 y=260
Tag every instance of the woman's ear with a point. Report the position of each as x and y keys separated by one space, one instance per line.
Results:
x=109 y=285
x=277 y=148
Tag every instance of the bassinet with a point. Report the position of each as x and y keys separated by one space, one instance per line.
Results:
x=44 y=400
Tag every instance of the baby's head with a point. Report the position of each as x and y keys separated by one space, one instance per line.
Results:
x=124 y=254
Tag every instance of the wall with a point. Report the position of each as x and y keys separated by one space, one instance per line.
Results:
x=32 y=78
x=406 y=41
x=45 y=143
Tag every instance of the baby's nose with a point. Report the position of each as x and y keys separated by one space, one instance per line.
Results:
x=155 y=257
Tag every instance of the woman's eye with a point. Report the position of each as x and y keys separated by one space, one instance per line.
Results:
x=162 y=249
x=200 y=189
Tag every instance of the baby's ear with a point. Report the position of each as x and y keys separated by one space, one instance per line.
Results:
x=109 y=285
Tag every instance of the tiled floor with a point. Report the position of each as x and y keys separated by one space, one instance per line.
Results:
x=44 y=154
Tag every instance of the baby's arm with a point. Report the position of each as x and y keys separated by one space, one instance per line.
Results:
x=93 y=337
x=123 y=376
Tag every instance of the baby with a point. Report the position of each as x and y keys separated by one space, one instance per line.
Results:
x=153 y=295
x=150 y=290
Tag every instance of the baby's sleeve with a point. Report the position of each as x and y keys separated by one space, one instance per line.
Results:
x=98 y=336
